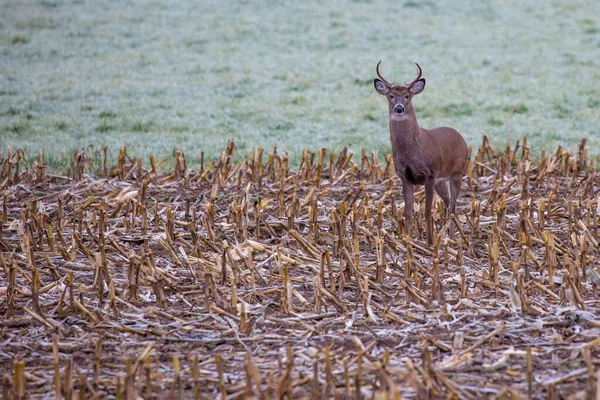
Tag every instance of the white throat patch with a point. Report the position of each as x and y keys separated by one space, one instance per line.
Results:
x=396 y=117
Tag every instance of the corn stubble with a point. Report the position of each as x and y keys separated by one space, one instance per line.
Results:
x=253 y=280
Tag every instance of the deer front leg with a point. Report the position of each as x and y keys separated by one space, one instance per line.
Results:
x=408 y=192
x=429 y=185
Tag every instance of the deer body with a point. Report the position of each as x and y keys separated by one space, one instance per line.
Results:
x=434 y=158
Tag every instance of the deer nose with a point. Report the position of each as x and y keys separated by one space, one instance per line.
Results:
x=399 y=109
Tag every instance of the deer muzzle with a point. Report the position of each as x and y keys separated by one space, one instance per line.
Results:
x=399 y=109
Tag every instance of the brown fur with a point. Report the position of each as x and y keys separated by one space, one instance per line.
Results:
x=435 y=158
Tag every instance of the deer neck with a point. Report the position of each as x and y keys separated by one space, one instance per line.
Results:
x=405 y=134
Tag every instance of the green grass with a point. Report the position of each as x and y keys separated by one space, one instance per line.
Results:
x=161 y=75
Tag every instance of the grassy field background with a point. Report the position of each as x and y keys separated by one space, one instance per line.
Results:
x=161 y=75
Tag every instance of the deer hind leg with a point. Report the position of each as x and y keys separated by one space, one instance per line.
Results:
x=442 y=188
x=408 y=192
x=429 y=187
x=455 y=186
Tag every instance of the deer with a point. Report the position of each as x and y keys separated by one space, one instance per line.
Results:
x=435 y=158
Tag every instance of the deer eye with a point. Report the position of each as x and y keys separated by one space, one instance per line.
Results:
x=406 y=96
x=391 y=96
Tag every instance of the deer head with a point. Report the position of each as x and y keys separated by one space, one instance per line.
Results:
x=400 y=97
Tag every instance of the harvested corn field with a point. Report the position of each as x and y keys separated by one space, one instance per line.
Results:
x=253 y=279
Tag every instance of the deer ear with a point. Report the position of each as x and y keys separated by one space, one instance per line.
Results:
x=381 y=87
x=417 y=87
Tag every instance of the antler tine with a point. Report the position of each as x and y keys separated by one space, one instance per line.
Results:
x=381 y=77
x=419 y=73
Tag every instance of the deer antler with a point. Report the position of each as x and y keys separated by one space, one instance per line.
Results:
x=382 y=78
x=420 y=72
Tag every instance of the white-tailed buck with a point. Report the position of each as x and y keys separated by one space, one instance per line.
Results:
x=435 y=158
